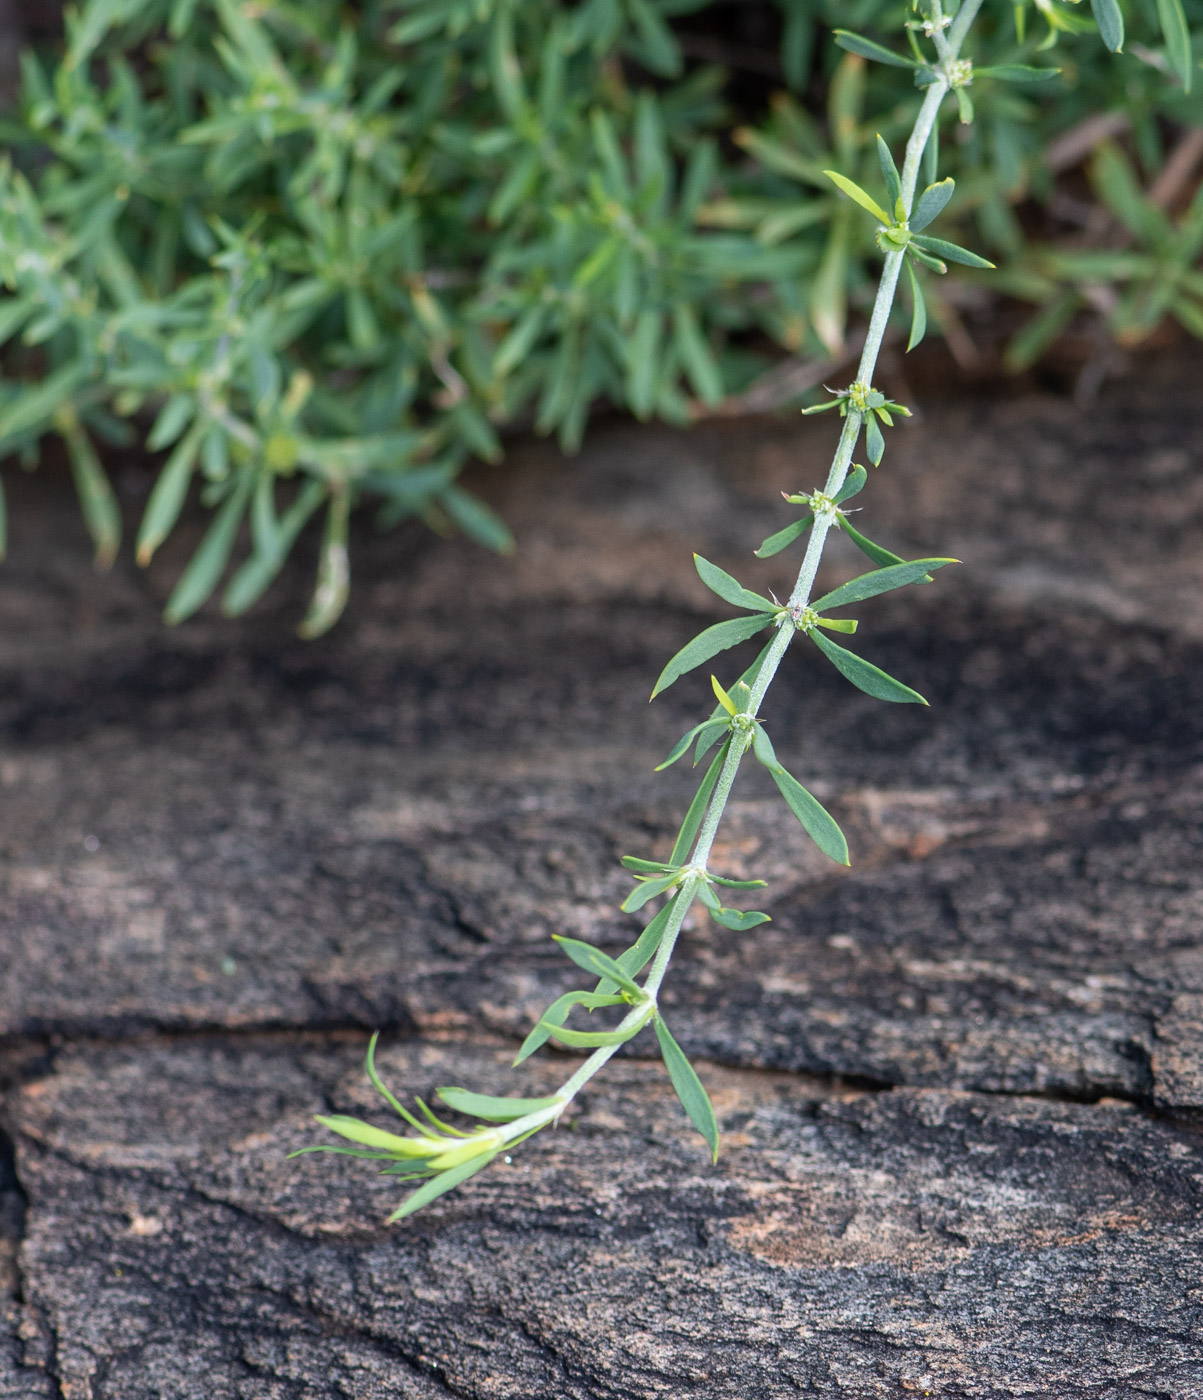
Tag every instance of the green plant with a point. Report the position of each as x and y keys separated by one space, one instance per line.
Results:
x=442 y=1156
x=318 y=264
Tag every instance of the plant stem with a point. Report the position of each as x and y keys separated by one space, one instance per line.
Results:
x=887 y=288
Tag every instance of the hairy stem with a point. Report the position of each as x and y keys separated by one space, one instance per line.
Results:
x=949 y=48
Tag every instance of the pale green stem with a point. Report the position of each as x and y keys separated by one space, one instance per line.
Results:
x=639 y=1015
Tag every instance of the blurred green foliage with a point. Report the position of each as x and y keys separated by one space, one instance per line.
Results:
x=316 y=259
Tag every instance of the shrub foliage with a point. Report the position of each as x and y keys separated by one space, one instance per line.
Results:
x=314 y=263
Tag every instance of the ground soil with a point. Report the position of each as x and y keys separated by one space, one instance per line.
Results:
x=960 y=1085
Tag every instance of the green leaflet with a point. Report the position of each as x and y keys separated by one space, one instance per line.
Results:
x=817 y=821
x=168 y=494
x=883 y=558
x=879 y=581
x=889 y=173
x=941 y=248
x=738 y=884
x=557 y=1013
x=690 y=1089
x=852 y=486
x=696 y=355
x=854 y=192
x=709 y=643
x=1017 y=73
x=643 y=867
x=356 y=1130
x=1176 y=33
x=489 y=1108
x=382 y=1089
x=919 y=308
x=932 y=264
x=738 y=919
x=863 y=674
x=208 y=564
x=730 y=590
x=931 y=204
x=254 y=577
x=697 y=809
x=854 y=43
x=601 y=964
x=643 y=893
x=875 y=444
x=437 y=1185
x=1110 y=20
x=591 y=1040
x=776 y=543
x=333 y=571
x=102 y=516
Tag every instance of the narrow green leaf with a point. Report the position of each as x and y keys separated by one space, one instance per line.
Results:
x=854 y=192
x=697 y=810
x=97 y=501
x=931 y=156
x=254 y=576
x=879 y=581
x=356 y=1130
x=783 y=538
x=207 y=565
x=1110 y=20
x=817 y=821
x=932 y=264
x=1176 y=33
x=875 y=444
x=854 y=484
x=557 y=1013
x=941 y=248
x=591 y=1040
x=645 y=867
x=711 y=733
x=477 y=520
x=730 y=590
x=863 y=674
x=643 y=893
x=722 y=697
x=696 y=355
x=739 y=884
x=1033 y=339
x=680 y=748
x=592 y=959
x=1017 y=73
x=333 y=571
x=690 y=1090
x=383 y=1090
x=931 y=204
x=739 y=919
x=708 y=897
x=889 y=171
x=490 y=1108
x=709 y=643
x=168 y=494
x=846 y=625
x=918 y=308
x=854 y=43
x=171 y=422
x=438 y=1185
x=880 y=556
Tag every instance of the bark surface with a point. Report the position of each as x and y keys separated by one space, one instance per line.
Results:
x=960 y=1085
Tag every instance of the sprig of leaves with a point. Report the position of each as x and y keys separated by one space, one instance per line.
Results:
x=735 y=725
